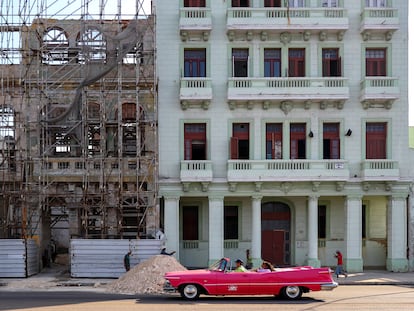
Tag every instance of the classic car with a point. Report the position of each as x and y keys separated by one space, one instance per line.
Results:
x=219 y=279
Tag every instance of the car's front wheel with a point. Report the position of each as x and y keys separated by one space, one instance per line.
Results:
x=190 y=291
x=292 y=292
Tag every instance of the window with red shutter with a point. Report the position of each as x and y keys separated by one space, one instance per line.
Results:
x=272 y=3
x=298 y=141
x=195 y=141
x=331 y=141
x=194 y=3
x=375 y=62
x=296 y=62
x=376 y=140
x=274 y=141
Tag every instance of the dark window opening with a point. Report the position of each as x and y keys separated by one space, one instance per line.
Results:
x=240 y=62
x=364 y=221
x=240 y=3
x=190 y=223
x=331 y=63
x=239 y=143
x=231 y=223
x=321 y=222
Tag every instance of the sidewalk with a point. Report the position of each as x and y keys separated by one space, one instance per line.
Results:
x=377 y=277
x=58 y=277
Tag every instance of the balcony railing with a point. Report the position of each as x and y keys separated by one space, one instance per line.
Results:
x=287 y=18
x=196 y=89
x=190 y=244
x=301 y=88
x=195 y=19
x=381 y=88
x=380 y=170
x=193 y=171
x=385 y=19
x=231 y=244
x=282 y=170
x=61 y=168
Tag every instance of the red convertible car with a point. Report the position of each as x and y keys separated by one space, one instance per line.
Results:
x=219 y=279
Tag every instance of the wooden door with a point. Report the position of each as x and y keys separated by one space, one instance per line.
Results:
x=273 y=246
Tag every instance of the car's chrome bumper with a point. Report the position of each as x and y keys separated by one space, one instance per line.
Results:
x=168 y=288
x=329 y=286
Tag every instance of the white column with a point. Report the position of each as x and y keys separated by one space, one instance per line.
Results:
x=256 y=248
x=216 y=228
x=172 y=224
x=411 y=231
x=353 y=234
x=313 y=231
x=397 y=234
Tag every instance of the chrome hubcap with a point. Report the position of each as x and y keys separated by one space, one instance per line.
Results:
x=190 y=291
x=292 y=291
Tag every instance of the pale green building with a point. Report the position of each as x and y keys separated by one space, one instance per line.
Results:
x=283 y=130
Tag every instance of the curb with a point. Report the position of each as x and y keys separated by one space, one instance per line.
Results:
x=377 y=283
x=78 y=284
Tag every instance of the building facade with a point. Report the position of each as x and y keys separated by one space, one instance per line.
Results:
x=78 y=123
x=283 y=129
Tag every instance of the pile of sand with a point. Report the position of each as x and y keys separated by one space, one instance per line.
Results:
x=147 y=277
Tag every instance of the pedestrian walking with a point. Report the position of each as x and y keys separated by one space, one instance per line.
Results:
x=339 y=265
x=249 y=260
x=127 y=261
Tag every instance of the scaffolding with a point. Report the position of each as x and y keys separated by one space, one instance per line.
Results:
x=78 y=120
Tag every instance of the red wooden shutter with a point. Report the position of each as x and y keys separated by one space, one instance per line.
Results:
x=234 y=148
x=376 y=141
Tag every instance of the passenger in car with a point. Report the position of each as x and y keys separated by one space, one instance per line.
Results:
x=265 y=267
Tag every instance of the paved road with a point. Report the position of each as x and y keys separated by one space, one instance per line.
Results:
x=360 y=297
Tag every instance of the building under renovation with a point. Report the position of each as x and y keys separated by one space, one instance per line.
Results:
x=78 y=122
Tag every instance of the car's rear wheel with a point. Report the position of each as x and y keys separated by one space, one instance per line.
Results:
x=292 y=292
x=190 y=291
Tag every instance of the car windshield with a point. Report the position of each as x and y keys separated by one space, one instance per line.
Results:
x=219 y=265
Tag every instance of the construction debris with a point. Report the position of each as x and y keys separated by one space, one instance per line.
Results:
x=147 y=277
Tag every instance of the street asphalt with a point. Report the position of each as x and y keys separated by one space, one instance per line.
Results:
x=56 y=277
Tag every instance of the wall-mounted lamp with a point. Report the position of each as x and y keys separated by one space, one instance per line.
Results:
x=349 y=132
x=310 y=134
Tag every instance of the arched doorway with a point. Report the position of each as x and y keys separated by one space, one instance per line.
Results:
x=276 y=233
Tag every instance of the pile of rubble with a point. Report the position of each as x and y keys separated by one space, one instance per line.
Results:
x=147 y=277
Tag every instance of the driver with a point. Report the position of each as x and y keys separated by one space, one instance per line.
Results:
x=239 y=266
